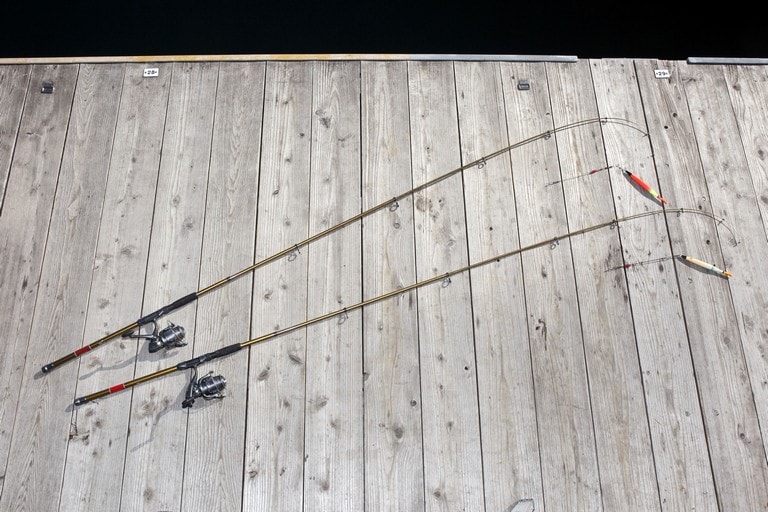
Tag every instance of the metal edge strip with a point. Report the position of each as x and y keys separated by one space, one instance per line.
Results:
x=728 y=60
x=290 y=57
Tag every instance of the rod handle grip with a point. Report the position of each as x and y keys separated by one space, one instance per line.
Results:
x=197 y=361
x=95 y=396
x=167 y=309
x=55 y=364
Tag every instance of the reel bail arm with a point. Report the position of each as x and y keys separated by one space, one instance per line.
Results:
x=170 y=337
x=210 y=386
x=207 y=387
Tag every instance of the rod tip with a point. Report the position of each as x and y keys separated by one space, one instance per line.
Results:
x=727 y=274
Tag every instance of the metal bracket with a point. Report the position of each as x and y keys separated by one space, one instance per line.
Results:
x=523 y=85
x=524 y=505
x=742 y=61
x=47 y=88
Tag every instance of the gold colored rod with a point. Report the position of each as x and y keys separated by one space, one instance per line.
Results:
x=419 y=284
x=125 y=385
x=83 y=350
x=479 y=163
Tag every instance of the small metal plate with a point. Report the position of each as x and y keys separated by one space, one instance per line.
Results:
x=523 y=85
x=47 y=88
x=151 y=72
x=661 y=73
x=526 y=505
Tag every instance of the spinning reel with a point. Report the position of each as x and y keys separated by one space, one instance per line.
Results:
x=207 y=387
x=171 y=336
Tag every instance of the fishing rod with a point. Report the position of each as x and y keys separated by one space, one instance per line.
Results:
x=174 y=335
x=210 y=386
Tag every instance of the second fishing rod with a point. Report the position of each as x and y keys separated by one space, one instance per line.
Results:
x=147 y=328
x=210 y=386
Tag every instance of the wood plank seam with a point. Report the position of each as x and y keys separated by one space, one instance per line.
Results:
x=36 y=267
x=529 y=328
x=6 y=173
x=622 y=243
x=469 y=280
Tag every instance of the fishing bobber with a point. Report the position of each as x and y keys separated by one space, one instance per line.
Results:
x=705 y=265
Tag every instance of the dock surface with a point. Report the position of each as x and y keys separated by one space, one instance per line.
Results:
x=552 y=366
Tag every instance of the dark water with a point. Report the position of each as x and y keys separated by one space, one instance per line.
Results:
x=621 y=29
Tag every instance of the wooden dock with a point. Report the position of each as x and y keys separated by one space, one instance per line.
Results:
x=552 y=378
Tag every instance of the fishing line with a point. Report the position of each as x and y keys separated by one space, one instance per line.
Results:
x=580 y=176
x=689 y=259
x=174 y=336
x=640 y=263
x=211 y=386
x=682 y=257
x=630 y=175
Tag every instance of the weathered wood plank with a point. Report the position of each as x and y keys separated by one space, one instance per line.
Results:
x=711 y=324
x=213 y=466
x=628 y=480
x=14 y=81
x=733 y=196
x=566 y=439
x=24 y=225
x=274 y=441
x=38 y=447
x=96 y=448
x=455 y=405
x=157 y=425
x=333 y=477
x=452 y=452
x=687 y=480
x=511 y=461
x=747 y=86
x=393 y=438
x=674 y=418
x=750 y=102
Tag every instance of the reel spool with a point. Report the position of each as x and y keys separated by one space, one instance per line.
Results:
x=170 y=337
x=207 y=387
